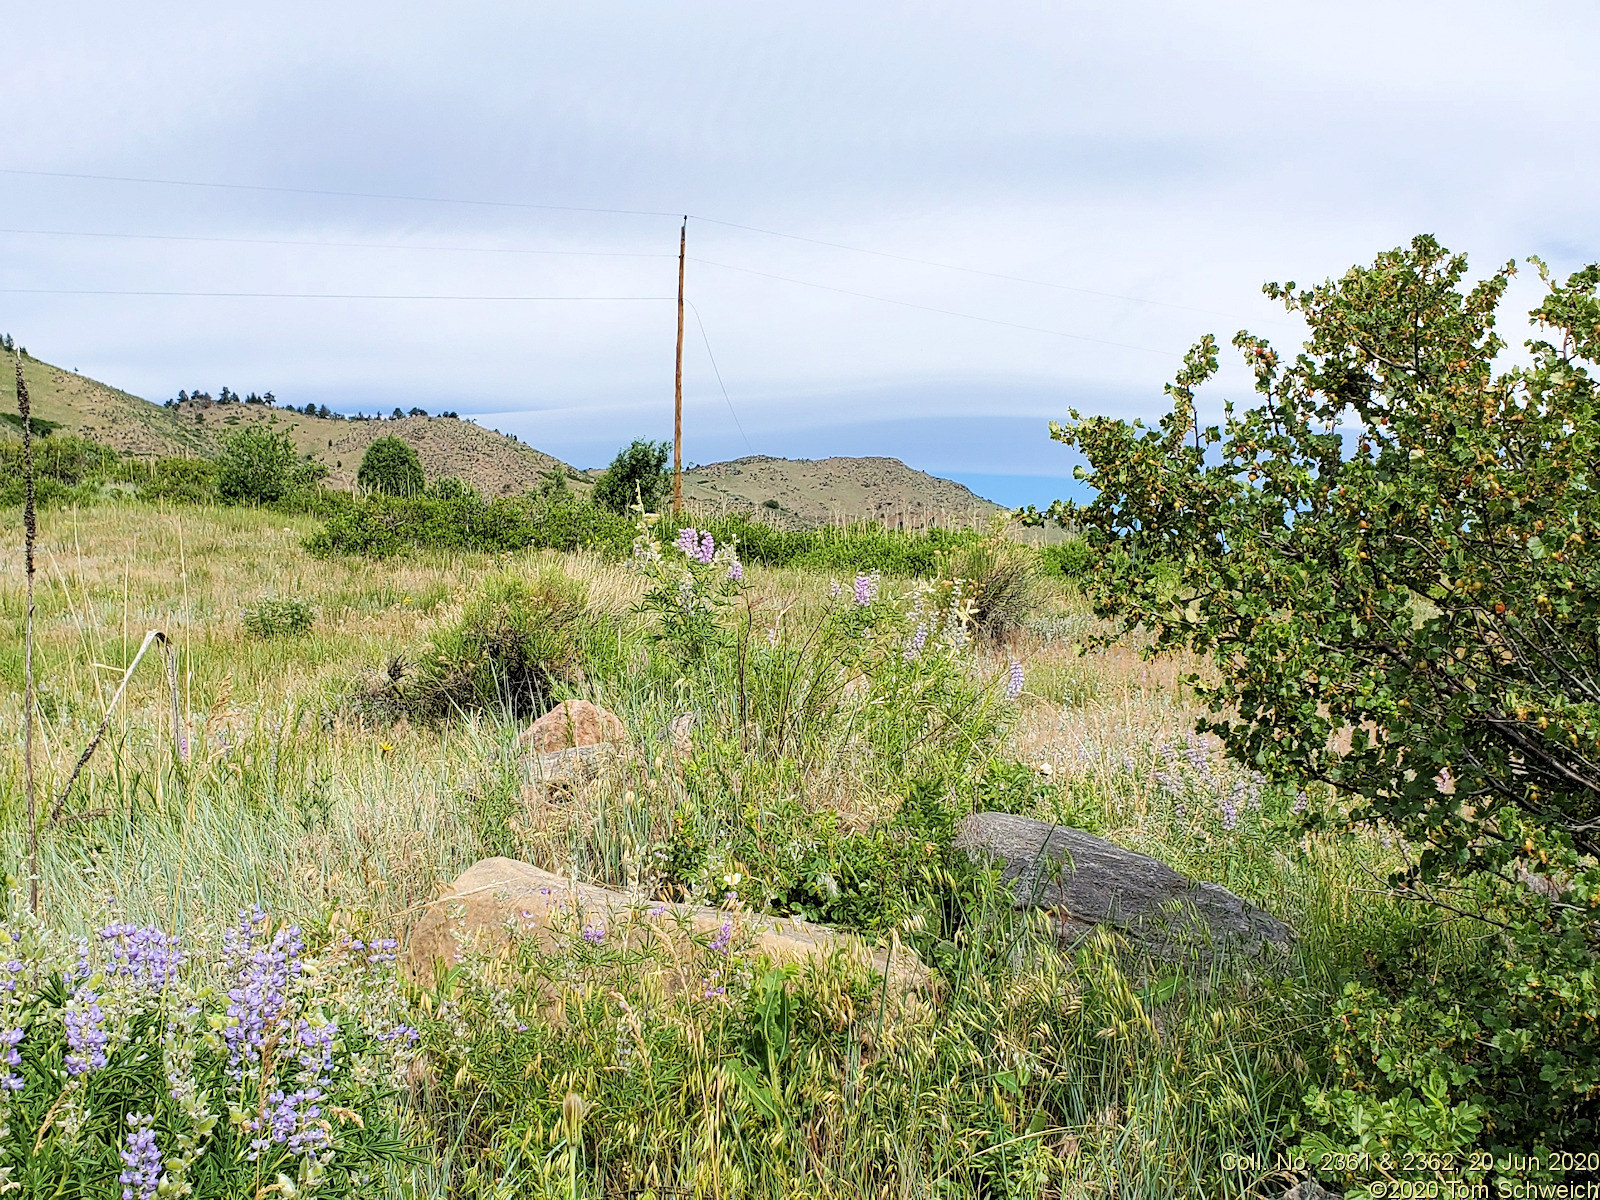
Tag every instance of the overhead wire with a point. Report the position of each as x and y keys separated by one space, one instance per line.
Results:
x=305 y=295
x=718 y=372
x=237 y=241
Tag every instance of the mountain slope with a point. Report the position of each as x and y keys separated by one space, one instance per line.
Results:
x=790 y=493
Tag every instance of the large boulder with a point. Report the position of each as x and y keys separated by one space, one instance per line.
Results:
x=1084 y=881
x=498 y=899
x=573 y=723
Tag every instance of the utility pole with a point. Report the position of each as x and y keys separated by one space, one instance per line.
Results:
x=677 y=386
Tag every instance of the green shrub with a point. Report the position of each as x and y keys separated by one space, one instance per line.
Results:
x=390 y=467
x=1410 y=613
x=257 y=466
x=637 y=475
x=571 y=524
x=998 y=583
x=857 y=548
x=274 y=618
x=1071 y=559
x=515 y=644
x=177 y=480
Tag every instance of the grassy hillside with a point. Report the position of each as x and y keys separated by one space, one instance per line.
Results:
x=823 y=491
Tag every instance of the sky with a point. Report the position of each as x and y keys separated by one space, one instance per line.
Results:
x=920 y=230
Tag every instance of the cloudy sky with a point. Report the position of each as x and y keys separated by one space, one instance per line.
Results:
x=915 y=229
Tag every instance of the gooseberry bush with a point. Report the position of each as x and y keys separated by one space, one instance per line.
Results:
x=1392 y=563
x=134 y=1065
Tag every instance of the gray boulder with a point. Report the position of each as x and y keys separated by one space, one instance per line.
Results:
x=1084 y=881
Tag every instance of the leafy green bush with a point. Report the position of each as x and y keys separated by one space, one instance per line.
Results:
x=450 y=515
x=176 y=480
x=865 y=547
x=571 y=524
x=67 y=471
x=257 y=466
x=513 y=646
x=1072 y=559
x=274 y=618
x=1409 y=613
x=390 y=467
x=637 y=475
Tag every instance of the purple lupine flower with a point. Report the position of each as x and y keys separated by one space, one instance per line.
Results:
x=293 y=1120
x=835 y=589
x=719 y=943
x=866 y=590
x=689 y=541
x=1014 y=681
x=736 y=570
x=1299 y=805
x=383 y=950
x=141 y=1160
x=403 y=1033
x=143 y=954
x=12 y=1059
x=594 y=934
x=264 y=977
x=316 y=1045
x=916 y=641
x=660 y=910
x=708 y=548
x=86 y=1032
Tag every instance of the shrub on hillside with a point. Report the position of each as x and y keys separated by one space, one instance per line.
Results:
x=176 y=480
x=864 y=547
x=514 y=645
x=1414 y=620
x=636 y=476
x=257 y=466
x=390 y=467
x=66 y=471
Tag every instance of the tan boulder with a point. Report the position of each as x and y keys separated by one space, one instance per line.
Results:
x=573 y=723
x=497 y=899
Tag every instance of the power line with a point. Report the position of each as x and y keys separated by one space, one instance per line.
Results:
x=635 y=212
x=300 y=295
x=948 y=312
x=928 y=262
x=296 y=191
x=234 y=241
x=718 y=372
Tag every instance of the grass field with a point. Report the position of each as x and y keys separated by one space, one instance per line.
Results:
x=1031 y=1070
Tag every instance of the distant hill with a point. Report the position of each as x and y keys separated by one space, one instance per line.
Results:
x=789 y=493
x=801 y=493
x=490 y=461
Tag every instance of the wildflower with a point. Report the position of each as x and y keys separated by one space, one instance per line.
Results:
x=261 y=994
x=719 y=943
x=11 y=1059
x=594 y=934
x=917 y=641
x=144 y=954
x=291 y=1119
x=736 y=570
x=688 y=541
x=1299 y=805
x=141 y=1160
x=86 y=1032
x=866 y=589
x=708 y=548
x=660 y=910
x=1014 y=682
x=835 y=588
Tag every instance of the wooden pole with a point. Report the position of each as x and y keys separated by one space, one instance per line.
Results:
x=677 y=386
x=30 y=533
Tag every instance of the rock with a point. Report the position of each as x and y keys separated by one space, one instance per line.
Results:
x=480 y=908
x=1084 y=881
x=573 y=723
x=550 y=778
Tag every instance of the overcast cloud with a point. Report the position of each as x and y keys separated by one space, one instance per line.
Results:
x=1150 y=164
